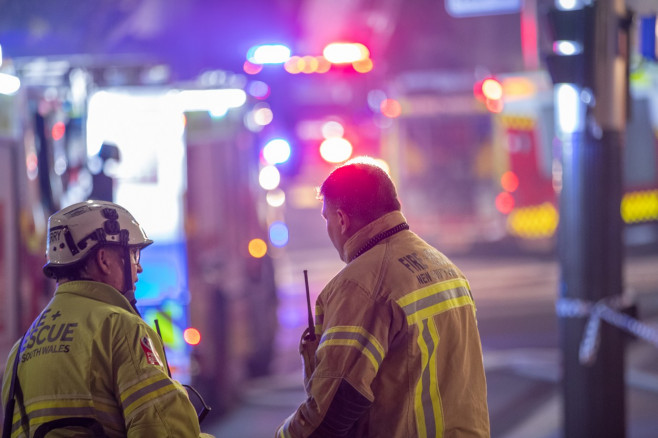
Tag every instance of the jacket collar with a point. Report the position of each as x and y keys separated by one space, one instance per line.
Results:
x=361 y=237
x=96 y=291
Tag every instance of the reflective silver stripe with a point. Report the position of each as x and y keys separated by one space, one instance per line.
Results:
x=53 y=413
x=434 y=299
x=155 y=388
x=43 y=409
x=428 y=389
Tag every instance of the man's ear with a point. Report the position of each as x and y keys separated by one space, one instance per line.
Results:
x=343 y=220
x=103 y=260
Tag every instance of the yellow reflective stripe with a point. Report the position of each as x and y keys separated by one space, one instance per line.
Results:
x=439 y=308
x=40 y=410
x=145 y=391
x=148 y=374
x=49 y=410
x=355 y=344
x=418 y=396
x=434 y=299
x=357 y=337
x=319 y=320
x=360 y=330
x=60 y=402
x=435 y=395
x=427 y=399
x=431 y=290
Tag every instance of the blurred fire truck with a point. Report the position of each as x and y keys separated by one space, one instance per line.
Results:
x=183 y=160
x=485 y=168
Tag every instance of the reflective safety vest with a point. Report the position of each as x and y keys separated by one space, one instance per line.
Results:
x=90 y=355
x=399 y=351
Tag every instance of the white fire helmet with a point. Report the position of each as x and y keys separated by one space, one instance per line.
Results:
x=75 y=230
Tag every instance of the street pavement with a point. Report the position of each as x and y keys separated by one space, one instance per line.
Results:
x=523 y=363
x=524 y=397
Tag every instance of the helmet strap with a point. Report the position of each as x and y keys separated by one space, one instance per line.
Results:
x=128 y=290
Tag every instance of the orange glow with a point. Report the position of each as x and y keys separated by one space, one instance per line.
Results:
x=391 y=108
x=504 y=202
x=518 y=86
x=310 y=64
x=293 y=65
x=307 y=64
x=509 y=181
x=257 y=248
x=363 y=66
x=58 y=130
x=192 y=336
x=323 y=64
x=251 y=69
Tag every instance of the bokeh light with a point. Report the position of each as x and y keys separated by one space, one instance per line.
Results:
x=504 y=203
x=258 y=89
x=509 y=181
x=251 y=69
x=269 y=54
x=276 y=151
x=310 y=64
x=263 y=116
x=279 y=234
x=58 y=131
x=257 y=248
x=492 y=89
x=332 y=129
x=294 y=65
x=269 y=177
x=192 y=336
x=363 y=66
x=391 y=108
x=275 y=198
x=336 y=150
x=345 y=53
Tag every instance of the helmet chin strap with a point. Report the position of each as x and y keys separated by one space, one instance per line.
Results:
x=128 y=287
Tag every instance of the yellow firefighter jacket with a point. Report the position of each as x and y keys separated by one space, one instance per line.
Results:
x=399 y=352
x=90 y=355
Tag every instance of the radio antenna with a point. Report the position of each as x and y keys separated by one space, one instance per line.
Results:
x=311 y=326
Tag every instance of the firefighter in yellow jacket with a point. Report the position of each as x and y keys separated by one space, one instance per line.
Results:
x=397 y=351
x=89 y=365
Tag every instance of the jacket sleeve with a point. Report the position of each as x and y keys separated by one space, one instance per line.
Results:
x=6 y=377
x=153 y=404
x=352 y=346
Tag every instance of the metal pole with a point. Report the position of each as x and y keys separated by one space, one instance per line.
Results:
x=590 y=232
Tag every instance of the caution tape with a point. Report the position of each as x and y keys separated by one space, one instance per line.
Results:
x=607 y=310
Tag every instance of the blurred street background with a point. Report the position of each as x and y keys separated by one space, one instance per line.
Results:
x=522 y=136
x=515 y=297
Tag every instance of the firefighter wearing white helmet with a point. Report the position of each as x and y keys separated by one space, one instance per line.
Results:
x=76 y=231
x=89 y=364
